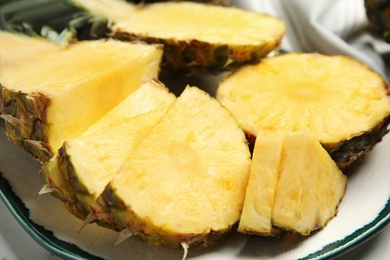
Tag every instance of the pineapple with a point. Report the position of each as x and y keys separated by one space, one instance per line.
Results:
x=197 y=38
x=294 y=185
x=184 y=185
x=310 y=185
x=260 y=193
x=56 y=95
x=88 y=162
x=341 y=101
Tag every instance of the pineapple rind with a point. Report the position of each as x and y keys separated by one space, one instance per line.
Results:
x=52 y=175
x=25 y=116
x=124 y=218
x=198 y=57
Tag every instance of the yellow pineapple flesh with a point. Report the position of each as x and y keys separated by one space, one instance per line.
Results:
x=55 y=97
x=89 y=161
x=186 y=181
x=310 y=185
x=294 y=185
x=260 y=193
x=340 y=100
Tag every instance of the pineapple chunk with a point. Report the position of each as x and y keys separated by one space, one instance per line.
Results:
x=86 y=164
x=58 y=95
x=197 y=37
x=186 y=181
x=310 y=185
x=260 y=193
x=293 y=185
x=341 y=101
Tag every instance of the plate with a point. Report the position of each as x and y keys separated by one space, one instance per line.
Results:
x=363 y=212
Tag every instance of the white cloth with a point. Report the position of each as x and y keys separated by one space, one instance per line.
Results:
x=326 y=26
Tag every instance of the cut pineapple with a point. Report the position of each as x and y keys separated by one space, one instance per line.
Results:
x=310 y=185
x=294 y=185
x=197 y=37
x=52 y=98
x=344 y=103
x=86 y=164
x=185 y=183
x=260 y=193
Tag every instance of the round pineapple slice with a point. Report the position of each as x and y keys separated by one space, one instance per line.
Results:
x=197 y=38
x=185 y=183
x=341 y=101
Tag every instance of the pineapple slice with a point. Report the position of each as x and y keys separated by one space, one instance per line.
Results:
x=310 y=185
x=86 y=164
x=293 y=185
x=57 y=95
x=341 y=101
x=198 y=38
x=260 y=193
x=185 y=183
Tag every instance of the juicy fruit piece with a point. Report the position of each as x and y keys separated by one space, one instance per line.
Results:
x=310 y=185
x=86 y=164
x=294 y=185
x=341 y=101
x=197 y=38
x=260 y=194
x=52 y=98
x=186 y=181
x=378 y=14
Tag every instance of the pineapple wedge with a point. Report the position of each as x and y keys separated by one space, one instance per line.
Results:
x=55 y=96
x=185 y=183
x=260 y=193
x=86 y=164
x=341 y=101
x=294 y=185
x=310 y=185
x=197 y=38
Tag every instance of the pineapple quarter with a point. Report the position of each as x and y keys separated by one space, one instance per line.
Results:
x=310 y=185
x=340 y=100
x=59 y=95
x=86 y=164
x=186 y=181
x=198 y=38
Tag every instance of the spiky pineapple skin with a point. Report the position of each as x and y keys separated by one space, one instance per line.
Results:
x=73 y=193
x=52 y=175
x=125 y=218
x=345 y=152
x=198 y=57
x=25 y=116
